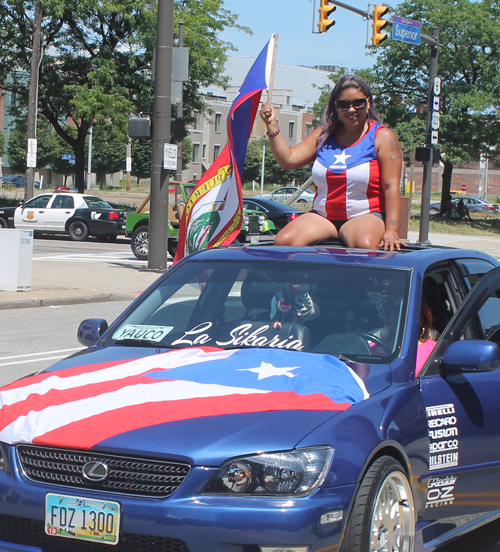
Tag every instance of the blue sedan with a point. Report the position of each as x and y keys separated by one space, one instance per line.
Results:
x=267 y=399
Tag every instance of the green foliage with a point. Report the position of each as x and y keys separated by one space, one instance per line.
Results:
x=18 y=145
x=204 y=20
x=109 y=149
x=97 y=62
x=469 y=64
x=141 y=159
x=273 y=173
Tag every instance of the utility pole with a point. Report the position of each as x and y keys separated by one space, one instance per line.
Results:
x=178 y=174
x=89 y=161
x=427 y=176
x=33 y=103
x=162 y=105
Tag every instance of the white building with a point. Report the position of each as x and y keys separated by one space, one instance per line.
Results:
x=296 y=90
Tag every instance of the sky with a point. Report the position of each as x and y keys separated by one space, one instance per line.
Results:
x=343 y=44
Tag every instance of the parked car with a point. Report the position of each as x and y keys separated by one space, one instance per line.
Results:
x=257 y=399
x=473 y=204
x=78 y=215
x=137 y=224
x=279 y=213
x=16 y=181
x=284 y=194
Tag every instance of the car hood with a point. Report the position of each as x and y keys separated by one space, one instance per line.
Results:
x=201 y=405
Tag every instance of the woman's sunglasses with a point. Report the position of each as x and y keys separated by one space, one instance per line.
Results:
x=344 y=105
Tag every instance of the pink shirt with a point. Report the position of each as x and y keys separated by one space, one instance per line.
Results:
x=423 y=351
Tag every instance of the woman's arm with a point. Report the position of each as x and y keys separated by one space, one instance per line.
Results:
x=390 y=159
x=288 y=158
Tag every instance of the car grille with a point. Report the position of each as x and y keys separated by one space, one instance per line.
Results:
x=126 y=475
x=30 y=532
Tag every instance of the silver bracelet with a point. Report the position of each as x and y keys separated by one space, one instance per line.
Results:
x=272 y=135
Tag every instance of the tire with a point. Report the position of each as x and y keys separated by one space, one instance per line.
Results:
x=434 y=211
x=301 y=201
x=383 y=516
x=106 y=238
x=172 y=246
x=3 y=223
x=140 y=242
x=78 y=231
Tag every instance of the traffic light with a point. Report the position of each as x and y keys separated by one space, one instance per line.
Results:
x=379 y=24
x=324 y=11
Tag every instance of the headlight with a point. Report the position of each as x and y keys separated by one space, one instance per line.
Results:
x=262 y=219
x=292 y=473
x=246 y=220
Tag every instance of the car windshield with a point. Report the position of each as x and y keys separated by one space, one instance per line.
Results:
x=96 y=203
x=351 y=311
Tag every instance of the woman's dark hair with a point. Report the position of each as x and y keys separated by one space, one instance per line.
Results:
x=331 y=119
x=426 y=327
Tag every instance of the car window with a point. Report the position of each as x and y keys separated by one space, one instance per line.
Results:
x=472 y=270
x=353 y=311
x=96 y=203
x=38 y=202
x=253 y=206
x=63 y=202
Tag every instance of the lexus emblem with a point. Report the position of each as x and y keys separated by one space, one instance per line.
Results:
x=95 y=471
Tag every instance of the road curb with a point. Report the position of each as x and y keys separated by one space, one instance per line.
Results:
x=52 y=300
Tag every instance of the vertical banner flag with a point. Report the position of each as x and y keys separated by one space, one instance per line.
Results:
x=213 y=212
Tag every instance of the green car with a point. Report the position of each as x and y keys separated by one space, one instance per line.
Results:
x=137 y=226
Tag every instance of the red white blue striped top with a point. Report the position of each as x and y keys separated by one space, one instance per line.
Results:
x=348 y=179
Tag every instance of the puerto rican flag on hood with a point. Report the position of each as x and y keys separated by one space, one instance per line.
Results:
x=82 y=406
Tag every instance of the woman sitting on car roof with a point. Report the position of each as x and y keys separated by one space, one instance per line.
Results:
x=357 y=170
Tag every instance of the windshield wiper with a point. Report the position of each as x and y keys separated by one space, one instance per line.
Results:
x=139 y=343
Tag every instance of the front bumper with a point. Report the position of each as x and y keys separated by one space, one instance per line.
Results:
x=203 y=523
x=100 y=227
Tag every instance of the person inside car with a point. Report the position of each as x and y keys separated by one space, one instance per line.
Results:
x=427 y=337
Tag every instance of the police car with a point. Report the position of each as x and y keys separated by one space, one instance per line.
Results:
x=78 y=215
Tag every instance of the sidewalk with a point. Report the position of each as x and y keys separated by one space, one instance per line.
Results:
x=64 y=283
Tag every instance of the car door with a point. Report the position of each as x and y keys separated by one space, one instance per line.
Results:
x=279 y=194
x=31 y=215
x=59 y=211
x=463 y=411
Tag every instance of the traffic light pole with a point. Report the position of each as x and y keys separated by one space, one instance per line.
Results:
x=33 y=104
x=162 y=105
x=427 y=176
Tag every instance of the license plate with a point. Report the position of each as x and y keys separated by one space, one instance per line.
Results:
x=82 y=518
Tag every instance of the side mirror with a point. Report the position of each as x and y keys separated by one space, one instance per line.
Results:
x=471 y=355
x=91 y=330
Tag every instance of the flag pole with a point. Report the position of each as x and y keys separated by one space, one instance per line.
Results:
x=273 y=67
x=270 y=102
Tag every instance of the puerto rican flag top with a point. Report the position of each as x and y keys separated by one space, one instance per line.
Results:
x=213 y=213
x=348 y=178
x=82 y=406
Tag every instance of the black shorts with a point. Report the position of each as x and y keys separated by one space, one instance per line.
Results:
x=339 y=223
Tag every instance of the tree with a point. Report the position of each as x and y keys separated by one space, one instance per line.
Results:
x=109 y=151
x=469 y=64
x=273 y=173
x=141 y=157
x=97 y=62
x=18 y=141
